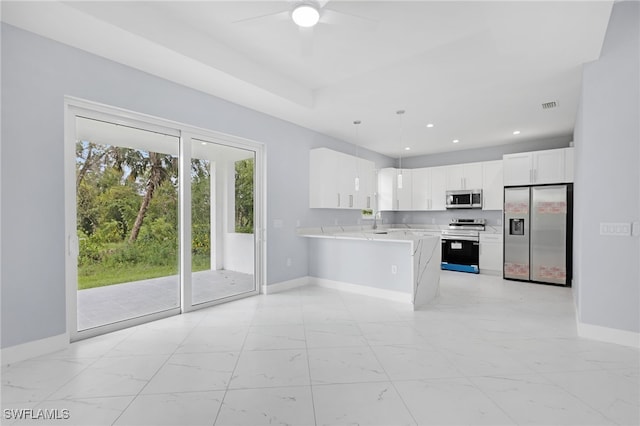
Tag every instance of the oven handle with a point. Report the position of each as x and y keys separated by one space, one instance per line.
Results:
x=459 y=238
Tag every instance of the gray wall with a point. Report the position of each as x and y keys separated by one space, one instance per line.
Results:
x=36 y=74
x=366 y=263
x=607 y=178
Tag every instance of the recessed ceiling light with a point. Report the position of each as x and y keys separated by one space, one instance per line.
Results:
x=430 y=125
x=203 y=143
x=516 y=132
x=407 y=148
x=305 y=15
x=456 y=141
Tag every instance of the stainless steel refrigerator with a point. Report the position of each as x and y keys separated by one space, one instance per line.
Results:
x=538 y=233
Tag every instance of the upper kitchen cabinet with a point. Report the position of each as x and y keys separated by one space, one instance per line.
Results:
x=538 y=167
x=395 y=189
x=492 y=186
x=339 y=181
x=464 y=176
x=429 y=188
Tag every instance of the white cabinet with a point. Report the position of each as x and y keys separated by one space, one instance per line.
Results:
x=538 y=167
x=366 y=173
x=391 y=194
x=404 y=190
x=491 y=253
x=429 y=188
x=464 y=176
x=492 y=187
x=387 y=184
x=332 y=180
x=323 y=186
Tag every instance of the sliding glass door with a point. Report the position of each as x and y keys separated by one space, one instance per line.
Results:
x=127 y=222
x=222 y=221
x=160 y=219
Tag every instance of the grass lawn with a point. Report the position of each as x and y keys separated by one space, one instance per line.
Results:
x=91 y=276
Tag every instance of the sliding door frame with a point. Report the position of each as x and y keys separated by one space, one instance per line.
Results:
x=75 y=107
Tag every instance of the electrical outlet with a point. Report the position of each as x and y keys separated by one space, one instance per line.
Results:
x=289 y=261
x=433 y=220
x=394 y=269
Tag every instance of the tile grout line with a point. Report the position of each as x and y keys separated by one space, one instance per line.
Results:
x=235 y=367
x=159 y=368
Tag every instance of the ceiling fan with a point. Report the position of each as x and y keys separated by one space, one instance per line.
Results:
x=306 y=14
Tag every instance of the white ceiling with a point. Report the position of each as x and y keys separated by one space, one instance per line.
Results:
x=477 y=70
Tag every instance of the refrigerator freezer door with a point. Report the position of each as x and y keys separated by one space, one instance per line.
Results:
x=549 y=234
x=516 y=233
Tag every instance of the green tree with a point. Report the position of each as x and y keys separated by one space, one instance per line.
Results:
x=244 y=195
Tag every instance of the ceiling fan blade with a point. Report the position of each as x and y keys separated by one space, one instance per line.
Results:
x=329 y=16
x=283 y=15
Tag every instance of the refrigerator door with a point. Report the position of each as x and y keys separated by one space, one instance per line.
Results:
x=516 y=233
x=549 y=234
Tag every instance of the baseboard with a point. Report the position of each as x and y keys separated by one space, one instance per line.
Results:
x=395 y=296
x=33 y=349
x=609 y=335
x=285 y=285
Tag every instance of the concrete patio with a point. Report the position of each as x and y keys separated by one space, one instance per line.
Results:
x=104 y=305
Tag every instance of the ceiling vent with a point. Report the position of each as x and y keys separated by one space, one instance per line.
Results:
x=549 y=105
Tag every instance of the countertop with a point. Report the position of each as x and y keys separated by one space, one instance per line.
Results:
x=393 y=232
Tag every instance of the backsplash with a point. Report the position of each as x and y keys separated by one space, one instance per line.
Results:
x=493 y=217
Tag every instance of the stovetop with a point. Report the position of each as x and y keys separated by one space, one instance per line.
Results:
x=467 y=225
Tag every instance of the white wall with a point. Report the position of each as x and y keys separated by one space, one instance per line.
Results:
x=607 y=178
x=36 y=75
x=238 y=252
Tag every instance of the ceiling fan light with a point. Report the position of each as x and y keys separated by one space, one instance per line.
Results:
x=305 y=15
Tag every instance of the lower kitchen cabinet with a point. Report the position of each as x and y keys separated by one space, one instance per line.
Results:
x=491 y=254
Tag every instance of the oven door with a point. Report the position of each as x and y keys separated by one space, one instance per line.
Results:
x=460 y=253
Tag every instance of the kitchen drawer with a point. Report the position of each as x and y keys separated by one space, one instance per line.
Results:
x=491 y=238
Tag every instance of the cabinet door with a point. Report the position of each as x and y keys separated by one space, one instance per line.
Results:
x=421 y=180
x=492 y=188
x=455 y=177
x=323 y=186
x=472 y=176
x=404 y=194
x=548 y=166
x=387 y=189
x=366 y=177
x=490 y=253
x=438 y=188
x=517 y=169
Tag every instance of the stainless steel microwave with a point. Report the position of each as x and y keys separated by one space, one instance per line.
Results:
x=464 y=199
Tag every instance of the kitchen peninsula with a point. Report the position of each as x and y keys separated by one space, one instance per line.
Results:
x=396 y=264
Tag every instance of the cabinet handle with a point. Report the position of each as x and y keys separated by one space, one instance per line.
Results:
x=369 y=201
x=397 y=204
x=535 y=175
x=338 y=199
x=350 y=200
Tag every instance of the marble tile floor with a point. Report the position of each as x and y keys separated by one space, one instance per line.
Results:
x=488 y=352
x=105 y=305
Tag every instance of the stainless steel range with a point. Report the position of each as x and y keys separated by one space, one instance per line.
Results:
x=461 y=245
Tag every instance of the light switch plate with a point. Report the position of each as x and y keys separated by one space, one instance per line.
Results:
x=617 y=229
